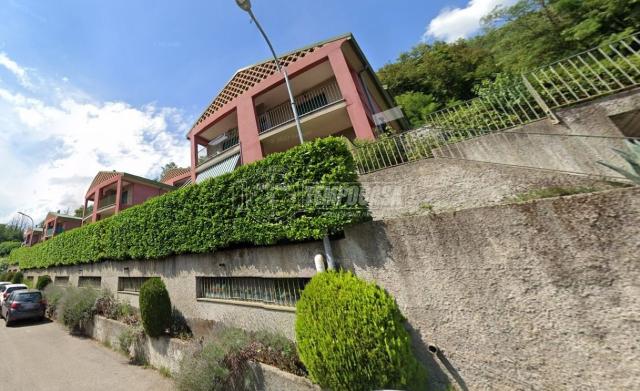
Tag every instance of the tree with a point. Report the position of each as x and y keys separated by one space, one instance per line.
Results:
x=417 y=106
x=10 y=233
x=79 y=212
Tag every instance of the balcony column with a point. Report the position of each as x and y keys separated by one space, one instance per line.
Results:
x=96 y=198
x=118 y=195
x=357 y=112
x=55 y=224
x=250 y=147
x=194 y=158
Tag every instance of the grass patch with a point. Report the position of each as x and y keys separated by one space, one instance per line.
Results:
x=549 y=192
x=164 y=371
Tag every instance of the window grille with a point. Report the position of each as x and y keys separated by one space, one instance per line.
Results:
x=61 y=280
x=275 y=291
x=131 y=284
x=90 y=282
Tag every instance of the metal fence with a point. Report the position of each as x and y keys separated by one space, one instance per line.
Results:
x=604 y=70
x=275 y=291
x=90 y=282
x=131 y=284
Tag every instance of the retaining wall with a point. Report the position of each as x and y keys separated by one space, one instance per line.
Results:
x=540 y=295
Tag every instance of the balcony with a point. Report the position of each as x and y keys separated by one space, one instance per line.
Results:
x=219 y=146
x=48 y=232
x=107 y=202
x=311 y=101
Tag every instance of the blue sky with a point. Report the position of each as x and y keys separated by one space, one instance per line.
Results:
x=94 y=85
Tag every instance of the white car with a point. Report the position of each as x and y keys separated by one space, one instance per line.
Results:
x=5 y=290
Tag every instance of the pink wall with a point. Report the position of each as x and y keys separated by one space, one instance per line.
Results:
x=141 y=193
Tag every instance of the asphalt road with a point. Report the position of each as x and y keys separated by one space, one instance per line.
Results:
x=43 y=356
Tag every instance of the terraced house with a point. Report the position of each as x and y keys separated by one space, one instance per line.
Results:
x=336 y=93
x=56 y=223
x=111 y=192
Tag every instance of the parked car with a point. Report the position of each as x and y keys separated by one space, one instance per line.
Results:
x=8 y=289
x=23 y=304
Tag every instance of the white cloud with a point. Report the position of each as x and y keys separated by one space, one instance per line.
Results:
x=453 y=24
x=52 y=144
x=19 y=72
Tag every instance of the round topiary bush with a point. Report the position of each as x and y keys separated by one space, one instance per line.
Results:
x=155 y=307
x=351 y=336
x=17 y=278
x=42 y=282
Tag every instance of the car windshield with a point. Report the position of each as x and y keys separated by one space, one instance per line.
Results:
x=15 y=288
x=28 y=297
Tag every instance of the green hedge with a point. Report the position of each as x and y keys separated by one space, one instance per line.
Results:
x=258 y=204
x=351 y=336
x=155 y=307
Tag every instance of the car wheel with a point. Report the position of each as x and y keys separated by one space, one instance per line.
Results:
x=7 y=322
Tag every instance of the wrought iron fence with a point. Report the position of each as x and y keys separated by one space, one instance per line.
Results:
x=596 y=72
x=306 y=103
x=90 y=282
x=275 y=291
x=131 y=284
x=61 y=280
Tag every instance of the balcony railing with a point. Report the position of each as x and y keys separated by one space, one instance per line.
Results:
x=218 y=145
x=312 y=100
x=107 y=201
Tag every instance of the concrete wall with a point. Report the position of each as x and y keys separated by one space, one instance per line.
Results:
x=569 y=146
x=533 y=296
x=540 y=295
x=435 y=185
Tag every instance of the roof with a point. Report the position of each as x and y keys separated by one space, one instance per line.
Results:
x=103 y=176
x=247 y=77
x=174 y=172
x=62 y=216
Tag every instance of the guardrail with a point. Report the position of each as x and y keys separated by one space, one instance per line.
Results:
x=312 y=100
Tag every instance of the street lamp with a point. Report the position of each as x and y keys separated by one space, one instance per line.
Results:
x=245 y=5
x=32 y=226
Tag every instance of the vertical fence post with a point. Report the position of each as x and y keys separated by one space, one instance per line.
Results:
x=539 y=100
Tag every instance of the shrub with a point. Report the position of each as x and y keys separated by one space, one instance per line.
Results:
x=155 y=307
x=17 y=278
x=53 y=294
x=7 y=276
x=77 y=307
x=130 y=343
x=351 y=336
x=261 y=203
x=6 y=247
x=42 y=282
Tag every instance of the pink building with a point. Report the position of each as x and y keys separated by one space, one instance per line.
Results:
x=336 y=93
x=177 y=177
x=111 y=192
x=56 y=223
x=32 y=236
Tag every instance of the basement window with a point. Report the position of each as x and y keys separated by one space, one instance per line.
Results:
x=272 y=291
x=61 y=280
x=90 y=282
x=131 y=284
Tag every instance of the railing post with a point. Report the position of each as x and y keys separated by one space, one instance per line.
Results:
x=539 y=100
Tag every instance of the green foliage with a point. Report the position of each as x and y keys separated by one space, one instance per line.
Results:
x=351 y=336
x=221 y=363
x=77 y=307
x=258 y=204
x=43 y=281
x=417 y=106
x=6 y=247
x=54 y=295
x=28 y=282
x=632 y=157
x=10 y=233
x=17 y=278
x=155 y=307
x=7 y=276
x=129 y=343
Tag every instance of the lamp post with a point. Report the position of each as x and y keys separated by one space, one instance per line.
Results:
x=32 y=226
x=245 y=5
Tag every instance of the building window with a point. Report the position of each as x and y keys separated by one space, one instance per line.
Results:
x=61 y=280
x=274 y=291
x=131 y=284
x=124 y=197
x=90 y=282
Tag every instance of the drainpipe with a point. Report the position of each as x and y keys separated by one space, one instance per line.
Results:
x=331 y=264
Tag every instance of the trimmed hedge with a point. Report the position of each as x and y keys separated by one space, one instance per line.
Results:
x=155 y=307
x=258 y=204
x=351 y=336
x=42 y=282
